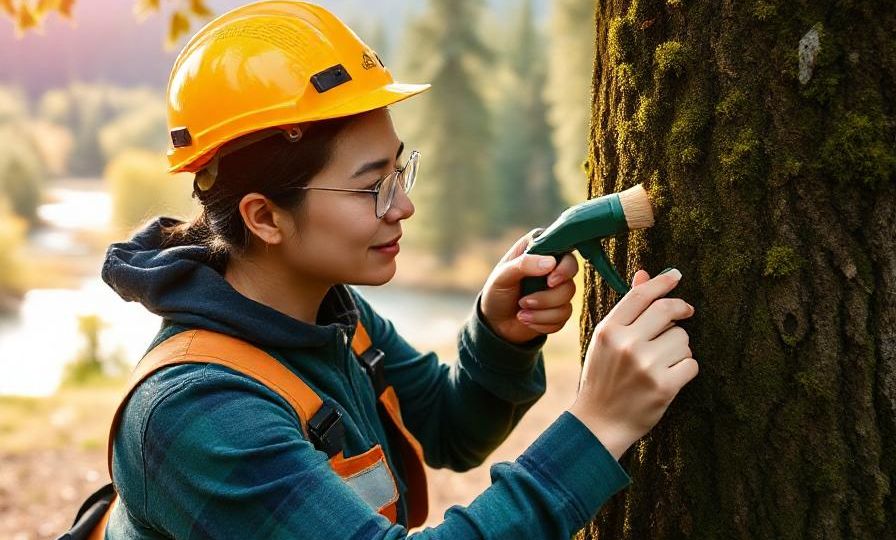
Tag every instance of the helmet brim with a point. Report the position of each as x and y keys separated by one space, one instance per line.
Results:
x=381 y=97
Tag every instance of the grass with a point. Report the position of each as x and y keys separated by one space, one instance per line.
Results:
x=72 y=418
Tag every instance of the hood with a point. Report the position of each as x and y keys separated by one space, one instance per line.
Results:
x=185 y=286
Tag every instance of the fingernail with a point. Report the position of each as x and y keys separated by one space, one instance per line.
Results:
x=546 y=262
x=674 y=272
x=525 y=316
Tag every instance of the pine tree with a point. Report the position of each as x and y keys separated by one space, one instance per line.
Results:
x=528 y=193
x=449 y=124
x=571 y=53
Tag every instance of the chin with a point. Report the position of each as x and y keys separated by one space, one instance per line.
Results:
x=383 y=276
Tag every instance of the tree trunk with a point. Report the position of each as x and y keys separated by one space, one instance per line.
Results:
x=765 y=133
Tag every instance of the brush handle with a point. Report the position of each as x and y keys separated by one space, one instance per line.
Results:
x=533 y=284
x=593 y=251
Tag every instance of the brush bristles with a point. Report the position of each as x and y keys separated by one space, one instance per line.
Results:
x=636 y=206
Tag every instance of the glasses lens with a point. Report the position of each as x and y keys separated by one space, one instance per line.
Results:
x=386 y=194
x=409 y=174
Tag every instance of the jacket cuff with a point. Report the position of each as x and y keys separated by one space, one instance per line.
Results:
x=570 y=460
x=494 y=352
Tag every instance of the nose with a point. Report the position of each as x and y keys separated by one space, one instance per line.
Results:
x=401 y=208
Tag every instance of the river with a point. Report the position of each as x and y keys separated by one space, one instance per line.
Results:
x=38 y=340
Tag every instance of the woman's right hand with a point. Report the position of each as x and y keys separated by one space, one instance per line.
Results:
x=637 y=361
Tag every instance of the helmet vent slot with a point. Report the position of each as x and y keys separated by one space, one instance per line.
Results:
x=330 y=78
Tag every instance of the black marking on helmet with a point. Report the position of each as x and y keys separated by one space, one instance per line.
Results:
x=378 y=60
x=180 y=137
x=330 y=78
x=367 y=62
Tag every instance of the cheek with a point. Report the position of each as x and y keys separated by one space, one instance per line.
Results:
x=338 y=233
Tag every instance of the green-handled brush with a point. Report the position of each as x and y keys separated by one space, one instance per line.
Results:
x=581 y=227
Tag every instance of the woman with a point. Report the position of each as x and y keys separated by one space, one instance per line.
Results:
x=282 y=114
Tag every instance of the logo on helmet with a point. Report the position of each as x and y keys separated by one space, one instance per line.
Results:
x=367 y=62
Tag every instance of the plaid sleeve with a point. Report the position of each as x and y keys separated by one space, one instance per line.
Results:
x=460 y=412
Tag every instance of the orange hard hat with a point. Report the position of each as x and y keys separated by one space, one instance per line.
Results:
x=271 y=64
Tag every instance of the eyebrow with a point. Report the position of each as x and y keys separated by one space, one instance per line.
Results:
x=378 y=164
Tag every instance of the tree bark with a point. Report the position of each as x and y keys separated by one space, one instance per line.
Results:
x=765 y=133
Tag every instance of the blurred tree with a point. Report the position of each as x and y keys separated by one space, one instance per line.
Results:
x=87 y=365
x=765 y=133
x=21 y=166
x=12 y=238
x=92 y=365
x=104 y=120
x=143 y=127
x=449 y=124
x=141 y=188
x=527 y=191
x=88 y=111
x=570 y=69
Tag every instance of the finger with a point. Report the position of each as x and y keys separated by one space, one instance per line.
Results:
x=640 y=277
x=547 y=317
x=670 y=348
x=511 y=272
x=548 y=298
x=656 y=318
x=682 y=372
x=519 y=247
x=565 y=270
x=639 y=298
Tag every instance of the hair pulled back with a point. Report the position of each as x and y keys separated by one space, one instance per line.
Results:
x=273 y=167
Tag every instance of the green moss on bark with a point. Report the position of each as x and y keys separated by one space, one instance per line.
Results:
x=858 y=150
x=770 y=196
x=781 y=261
x=670 y=58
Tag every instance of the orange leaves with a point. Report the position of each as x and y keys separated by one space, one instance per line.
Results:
x=7 y=7
x=25 y=19
x=198 y=8
x=177 y=26
x=144 y=8
x=65 y=8
x=30 y=14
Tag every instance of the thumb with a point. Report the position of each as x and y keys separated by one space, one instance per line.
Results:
x=521 y=245
x=510 y=273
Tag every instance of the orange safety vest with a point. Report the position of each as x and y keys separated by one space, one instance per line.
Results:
x=368 y=473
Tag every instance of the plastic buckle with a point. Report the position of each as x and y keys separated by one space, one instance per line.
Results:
x=372 y=362
x=326 y=431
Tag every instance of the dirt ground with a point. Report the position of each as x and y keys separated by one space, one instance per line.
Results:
x=47 y=466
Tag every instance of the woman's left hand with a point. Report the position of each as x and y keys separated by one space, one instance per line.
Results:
x=517 y=319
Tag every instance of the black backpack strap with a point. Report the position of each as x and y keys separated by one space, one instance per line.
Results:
x=91 y=513
x=370 y=358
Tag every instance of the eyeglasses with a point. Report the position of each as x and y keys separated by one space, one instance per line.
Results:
x=384 y=190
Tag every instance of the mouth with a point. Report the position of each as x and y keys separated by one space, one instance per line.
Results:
x=390 y=243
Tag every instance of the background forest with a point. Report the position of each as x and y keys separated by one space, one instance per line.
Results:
x=502 y=134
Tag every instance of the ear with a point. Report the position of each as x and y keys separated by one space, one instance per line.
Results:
x=262 y=217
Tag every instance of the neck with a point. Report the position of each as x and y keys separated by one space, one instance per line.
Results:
x=272 y=284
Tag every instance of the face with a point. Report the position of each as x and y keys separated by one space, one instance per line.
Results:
x=336 y=231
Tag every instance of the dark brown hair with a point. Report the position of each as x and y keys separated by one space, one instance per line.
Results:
x=273 y=167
